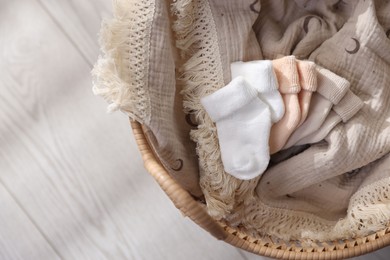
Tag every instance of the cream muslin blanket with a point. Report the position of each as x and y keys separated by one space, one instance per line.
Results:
x=137 y=76
x=338 y=188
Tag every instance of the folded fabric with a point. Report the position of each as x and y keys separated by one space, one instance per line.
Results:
x=131 y=78
x=286 y=190
x=342 y=112
x=261 y=76
x=287 y=75
x=359 y=198
x=213 y=34
x=308 y=82
x=349 y=105
x=366 y=137
x=243 y=124
x=331 y=89
x=288 y=28
x=286 y=154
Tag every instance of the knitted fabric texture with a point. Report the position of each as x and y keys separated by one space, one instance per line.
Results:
x=126 y=87
x=342 y=112
x=281 y=131
x=331 y=89
x=308 y=82
x=287 y=74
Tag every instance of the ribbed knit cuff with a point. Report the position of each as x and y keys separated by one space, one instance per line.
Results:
x=229 y=99
x=349 y=105
x=331 y=86
x=307 y=75
x=287 y=75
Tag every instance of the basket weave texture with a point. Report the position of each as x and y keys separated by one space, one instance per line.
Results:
x=268 y=247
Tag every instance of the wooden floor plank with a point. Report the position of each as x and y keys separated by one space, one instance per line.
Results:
x=49 y=165
x=20 y=238
x=74 y=169
x=78 y=20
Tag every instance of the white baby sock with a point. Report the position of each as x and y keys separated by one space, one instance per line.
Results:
x=243 y=125
x=261 y=76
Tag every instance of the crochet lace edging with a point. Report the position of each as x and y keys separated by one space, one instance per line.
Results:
x=202 y=74
x=368 y=212
x=120 y=76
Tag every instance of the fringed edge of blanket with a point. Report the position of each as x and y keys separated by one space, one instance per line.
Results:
x=120 y=76
x=202 y=74
x=368 y=212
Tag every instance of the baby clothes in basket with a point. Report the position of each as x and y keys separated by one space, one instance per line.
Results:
x=241 y=127
x=315 y=32
x=196 y=41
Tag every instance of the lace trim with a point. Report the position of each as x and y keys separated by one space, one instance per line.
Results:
x=368 y=212
x=121 y=76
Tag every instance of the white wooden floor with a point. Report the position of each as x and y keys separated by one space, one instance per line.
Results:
x=72 y=184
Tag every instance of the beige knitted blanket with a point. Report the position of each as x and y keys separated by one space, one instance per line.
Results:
x=336 y=189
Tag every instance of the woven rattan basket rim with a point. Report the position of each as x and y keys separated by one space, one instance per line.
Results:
x=264 y=247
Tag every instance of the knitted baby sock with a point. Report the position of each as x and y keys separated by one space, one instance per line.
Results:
x=331 y=89
x=288 y=78
x=261 y=76
x=243 y=124
x=317 y=114
x=308 y=82
x=342 y=112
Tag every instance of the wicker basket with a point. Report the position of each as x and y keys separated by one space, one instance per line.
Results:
x=265 y=247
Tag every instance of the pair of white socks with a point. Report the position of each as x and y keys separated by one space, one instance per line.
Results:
x=244 y=111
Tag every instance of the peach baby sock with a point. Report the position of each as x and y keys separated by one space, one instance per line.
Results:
x=287 y=74
x=308 y=82
x=330 y=90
